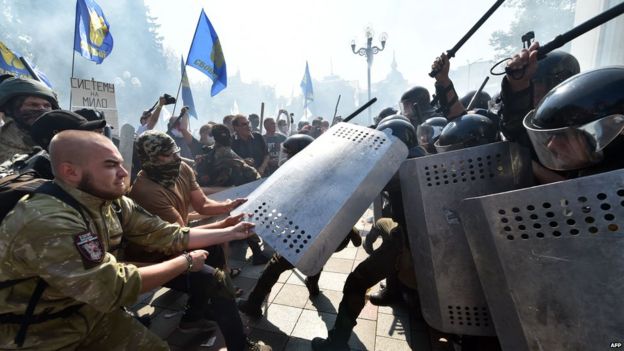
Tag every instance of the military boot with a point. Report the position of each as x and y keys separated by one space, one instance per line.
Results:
x=389 y=295
x=337 y=340
x=258 y=257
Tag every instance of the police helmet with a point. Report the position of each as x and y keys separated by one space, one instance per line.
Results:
x=577 y=120
x=11 y=88
x=401 y=128
x=388 y=111
x=429 y=131
x=466 y=131
x=481 y=101
x=416 y=103
x=556 y=67
x=292 y=145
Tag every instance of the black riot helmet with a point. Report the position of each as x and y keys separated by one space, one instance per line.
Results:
x=556 y=67
x=388 y=111
x=429 y=131
x=401 y=128
x=578 y=119
x=467 y=131
x=416 y=104
x=481 y=101
x=292 y=145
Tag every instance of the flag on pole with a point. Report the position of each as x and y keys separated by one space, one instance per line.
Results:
x=187 y=96
x=206 y=55
x=306 y=86
x=92 y=37
x=11 y=64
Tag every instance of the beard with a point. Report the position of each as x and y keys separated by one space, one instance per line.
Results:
x=27 y=117
x=88 y=186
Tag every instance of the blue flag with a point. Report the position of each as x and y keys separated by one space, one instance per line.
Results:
x=306 y=86
x=92 y=37
x=11 y=64
x=206 y=55
x=187 y=96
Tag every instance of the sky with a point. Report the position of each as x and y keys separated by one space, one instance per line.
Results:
x=269 y=41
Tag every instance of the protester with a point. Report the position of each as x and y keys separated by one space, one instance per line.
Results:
x=250 y=145
x=177 y=128
x=167 y=188
x=150 y=117
x=274 y=141
x=254 y=121
x=73 y=254
x=22 y=101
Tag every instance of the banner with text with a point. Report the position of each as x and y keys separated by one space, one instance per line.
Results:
x=89 y=93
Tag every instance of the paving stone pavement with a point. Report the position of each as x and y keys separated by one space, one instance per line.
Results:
x=291 y=319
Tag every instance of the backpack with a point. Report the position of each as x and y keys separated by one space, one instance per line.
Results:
x=21 y=176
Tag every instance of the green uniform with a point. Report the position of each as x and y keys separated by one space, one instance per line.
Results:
x=13 y=140
x=44 y=237
x=221 y=166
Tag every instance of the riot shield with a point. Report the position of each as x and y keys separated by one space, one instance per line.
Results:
x=551 y=264
x=433 y=186
x=237 y=191
x=306 y=207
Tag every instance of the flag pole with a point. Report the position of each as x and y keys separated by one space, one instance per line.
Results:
x=179 y=87
x=184 y=69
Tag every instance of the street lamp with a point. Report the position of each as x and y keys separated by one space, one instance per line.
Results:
x=369 y=51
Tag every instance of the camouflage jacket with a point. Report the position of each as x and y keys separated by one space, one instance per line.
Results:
x=44 y=237
x=14 y=140
x=220 y=166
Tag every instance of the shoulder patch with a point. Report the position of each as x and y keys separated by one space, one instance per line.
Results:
x=90 y=248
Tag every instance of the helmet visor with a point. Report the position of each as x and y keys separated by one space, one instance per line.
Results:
x=283 y=155
x=573 y=147
x=428 y=134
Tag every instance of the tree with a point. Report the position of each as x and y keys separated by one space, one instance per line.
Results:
x=547 y=18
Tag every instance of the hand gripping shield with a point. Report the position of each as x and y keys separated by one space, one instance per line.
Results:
x=305 y=209
x=433 y=186
x=550 y=262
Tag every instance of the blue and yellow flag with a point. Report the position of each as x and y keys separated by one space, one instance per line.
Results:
x=92 y=37
x=306 y=86
x=11 y=64
x=206 y=55
x=187 y=96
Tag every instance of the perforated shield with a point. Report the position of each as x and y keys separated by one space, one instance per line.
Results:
x=433 y=186
x=305 y=208
x=551 y=264
x=236 y=192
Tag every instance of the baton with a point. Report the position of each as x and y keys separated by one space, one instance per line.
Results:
x=335 y=111
x=451 y=53
x=261 y=117
x=582 y=28
x=474 y=97
x=359 y=110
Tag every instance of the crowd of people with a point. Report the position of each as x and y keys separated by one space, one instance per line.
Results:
x=85 y=237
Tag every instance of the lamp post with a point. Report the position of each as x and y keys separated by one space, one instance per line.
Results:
x=369 y=51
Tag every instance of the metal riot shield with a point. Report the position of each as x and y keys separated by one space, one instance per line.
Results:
x=551 y=264
x=240 y=191
x=432 y=187
x=305 y=209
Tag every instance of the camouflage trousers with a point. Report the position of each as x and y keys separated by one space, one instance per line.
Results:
x=87 y=329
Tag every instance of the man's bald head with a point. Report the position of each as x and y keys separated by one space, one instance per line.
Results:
x=76 y=147
x=90 y=162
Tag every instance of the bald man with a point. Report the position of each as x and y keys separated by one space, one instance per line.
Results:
x=73 y=254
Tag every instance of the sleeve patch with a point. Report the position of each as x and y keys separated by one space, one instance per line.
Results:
x=90 y=248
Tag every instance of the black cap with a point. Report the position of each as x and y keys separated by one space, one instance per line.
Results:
x=53 y=122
